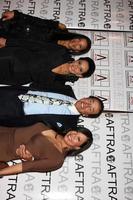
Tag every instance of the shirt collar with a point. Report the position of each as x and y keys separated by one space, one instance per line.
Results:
x=73 y=108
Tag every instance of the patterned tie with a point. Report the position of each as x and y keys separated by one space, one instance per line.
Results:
x=32 y=98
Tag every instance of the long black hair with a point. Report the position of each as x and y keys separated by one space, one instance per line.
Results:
x=81 y=129
x=85 y=145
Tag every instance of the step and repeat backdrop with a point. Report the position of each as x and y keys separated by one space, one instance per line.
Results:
x=88 y=14
x=105 y=171
x=112 y=81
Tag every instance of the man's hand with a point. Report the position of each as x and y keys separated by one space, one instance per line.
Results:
x=2 y=42
x=62 y=26
x=23 y=153
x=7 y=15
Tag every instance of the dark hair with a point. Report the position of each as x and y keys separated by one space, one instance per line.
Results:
x=69 y=36
x=101 y=105
x=84 y=146
x=69 y=77
x=72 y=78
x=91 y=65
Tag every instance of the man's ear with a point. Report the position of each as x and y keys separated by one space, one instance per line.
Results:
x=84 y=115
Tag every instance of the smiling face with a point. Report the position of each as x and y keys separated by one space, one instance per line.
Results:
x=77 y=44
x=75 y=139
x=88 y=106
x=78 y=67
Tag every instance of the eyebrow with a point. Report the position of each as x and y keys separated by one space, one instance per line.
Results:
x=80 y=65
x=92 y=109
x=80 y=46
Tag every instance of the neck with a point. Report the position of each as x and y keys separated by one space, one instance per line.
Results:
x=62 y=144
x=57 y=140
x=62 y=69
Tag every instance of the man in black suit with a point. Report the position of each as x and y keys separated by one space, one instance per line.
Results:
x=15 y=112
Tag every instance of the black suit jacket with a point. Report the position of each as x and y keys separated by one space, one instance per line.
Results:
x=28 y=27
x=22 y=62
x=12 y=109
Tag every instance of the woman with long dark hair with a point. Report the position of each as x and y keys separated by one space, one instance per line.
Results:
x=15 y=24
x=38 y=51
x=40 y=148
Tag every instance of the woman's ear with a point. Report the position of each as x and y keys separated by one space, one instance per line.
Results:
x=77 y=148
x=80 y=75
x=73 y=148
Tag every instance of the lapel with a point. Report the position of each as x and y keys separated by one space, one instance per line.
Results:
x=56 y=88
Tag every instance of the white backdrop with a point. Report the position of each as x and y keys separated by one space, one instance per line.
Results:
x=112 y=81
x=105 y=171
x=89 y=14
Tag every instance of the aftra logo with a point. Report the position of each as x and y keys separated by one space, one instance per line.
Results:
x=103 y=82
x=101 y=38
x=129 y=78
x=101 y=57
x=100 y=77
x=130 y=39
x=130 y=59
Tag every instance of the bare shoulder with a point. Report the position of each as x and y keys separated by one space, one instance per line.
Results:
x=50 y=133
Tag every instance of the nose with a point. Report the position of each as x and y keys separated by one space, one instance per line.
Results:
x=76 y=46
x=74 y=138
x=87 y=104
x=76 y=67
